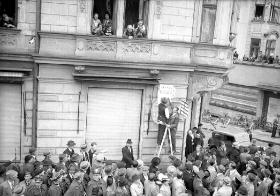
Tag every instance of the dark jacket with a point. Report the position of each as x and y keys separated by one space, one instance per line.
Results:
x=68 y=152
x=75 y=189
x=90 y=155
x=54 y=190
x=220 y=154
x=161 y=113
x=127 y=156
x=174 y=121
x=96 y=188
x=188 y=180
x=34 y=190
x=234 y=155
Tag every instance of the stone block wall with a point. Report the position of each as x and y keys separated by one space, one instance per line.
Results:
x=59 y=16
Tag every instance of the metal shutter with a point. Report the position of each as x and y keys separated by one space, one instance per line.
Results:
x=113 y=116
x=10 y=121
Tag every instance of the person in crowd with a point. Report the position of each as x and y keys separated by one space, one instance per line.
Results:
x=188 y=177
x=200 y=132
x=150 y=187
x=253 y=148
x=249 y=184
x=165 y=189
x=189 y=142
x=269 y=150
x=76 y=188
x=130 y=172
x=221 y=152
x=173 y=124
x=96 y=185
x=61 y=164
x=69 y=151
x=55 y=189
x=85 y=156
x=129 y=32
x=111 y=189
x=198 y=154
x=28 y=181
x=92 y=153
x=225 y=189
x=154 y=167
x=199 y=189
x=96 y=26
x=7 y=21
x=127 y=154
x=7 y=187
x=274 y=128
x=2 y=173
x=38 y=188
x=136 y=188
x=122 y=188
x=140 y=30
x=178 y=186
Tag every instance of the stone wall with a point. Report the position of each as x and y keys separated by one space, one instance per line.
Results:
x=59 y=16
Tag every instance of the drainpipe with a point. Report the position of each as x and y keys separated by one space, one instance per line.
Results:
x=35 y=75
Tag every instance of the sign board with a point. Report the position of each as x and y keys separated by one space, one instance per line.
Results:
x=168 y=91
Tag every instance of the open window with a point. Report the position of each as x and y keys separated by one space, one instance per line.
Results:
x=255 y=47
x=103 y=8
x=208 y=19
x=8 y=13
x=259 y=11
x=136 y=10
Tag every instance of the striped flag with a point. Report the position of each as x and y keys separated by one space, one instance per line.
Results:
x=184 y=108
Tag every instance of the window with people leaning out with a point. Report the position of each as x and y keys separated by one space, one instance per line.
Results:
x=104 y=21
x=8 y=13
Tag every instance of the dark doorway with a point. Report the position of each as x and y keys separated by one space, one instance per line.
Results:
x=102 y=6
x=131 y=12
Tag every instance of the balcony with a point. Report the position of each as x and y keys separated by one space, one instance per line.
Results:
x=161 y=54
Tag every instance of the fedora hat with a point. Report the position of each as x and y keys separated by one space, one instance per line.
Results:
x=129 y=141
x=71 y=143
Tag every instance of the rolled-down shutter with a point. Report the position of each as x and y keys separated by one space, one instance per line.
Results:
x=10 y=121
x=113 y=116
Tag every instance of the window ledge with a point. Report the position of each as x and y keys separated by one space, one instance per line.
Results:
x=9 y=30
x=258 y=21
x=273 y=23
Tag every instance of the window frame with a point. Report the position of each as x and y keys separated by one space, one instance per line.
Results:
x=258 y=4
x=269 y=49
x=141 y=14
x=253 y=47
x=114 y=13
x=16 y=15
x=209 y=6
x=272 y=14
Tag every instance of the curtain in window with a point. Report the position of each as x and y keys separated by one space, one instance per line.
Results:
x=276 y=14
x=208 y=24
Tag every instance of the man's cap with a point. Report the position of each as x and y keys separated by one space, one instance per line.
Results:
x=75 y=158
x=71 y=143
x=264 y=163
x=156 y=161
x=135 y=177
x=267 y=172
x=189 y=166
x=129 y=141
x=12 y=173
x=93 y=143
x=84 y=165
x=47 y=162
x=61 y=156
x=32 y=150
x=242 y=190
x=46 y=153
x=120 y=164
x=84 y=146
x=122 y=182
x=27 y=158
x=107 y=169
x=200 y=124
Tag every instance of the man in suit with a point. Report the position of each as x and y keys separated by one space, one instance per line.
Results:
x=92 y=153
x=173 y=124
x=69 y=151
x=7 y=187
x=85 y=156
x=127 y=153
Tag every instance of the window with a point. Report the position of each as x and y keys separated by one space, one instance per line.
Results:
x=255 y=47
x=259 y=11
x=208 y=21
x=8 y=13
x=270 y=48
x=275 y=14
x=135 y=10
x=102 y=7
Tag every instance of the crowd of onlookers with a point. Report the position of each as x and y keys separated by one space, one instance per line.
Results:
x=260 y=58
x=207 y=171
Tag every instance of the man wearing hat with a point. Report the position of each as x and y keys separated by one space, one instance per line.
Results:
x=38 y=188
x=92 y=153
x=163 y=116
x=61 y=164
x=198 y=187
x=47 y=162
x=55 y=189
x=28 y=181
x=85 y=156
x=200 y=132
x=96 y=185
x=7 y=187
x=127 y=153
x=69 y=151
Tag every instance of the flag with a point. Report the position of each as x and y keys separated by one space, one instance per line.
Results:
x=184 y=108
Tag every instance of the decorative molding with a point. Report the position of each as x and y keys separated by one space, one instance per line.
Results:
x=158 y=9
x=270 y=35
x=7 y=40
x=138 y=48
x=100 y=46
x=83 y=6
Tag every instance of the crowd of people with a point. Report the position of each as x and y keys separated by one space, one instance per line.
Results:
x=221 y=171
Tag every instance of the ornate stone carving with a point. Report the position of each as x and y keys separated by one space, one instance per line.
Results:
x=7 y=40
x=138 y=48
x=101 y=46
x=201 y=83
x=83 y=6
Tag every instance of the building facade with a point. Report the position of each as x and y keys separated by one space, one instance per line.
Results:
x=254 y=82
x=69 y=84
